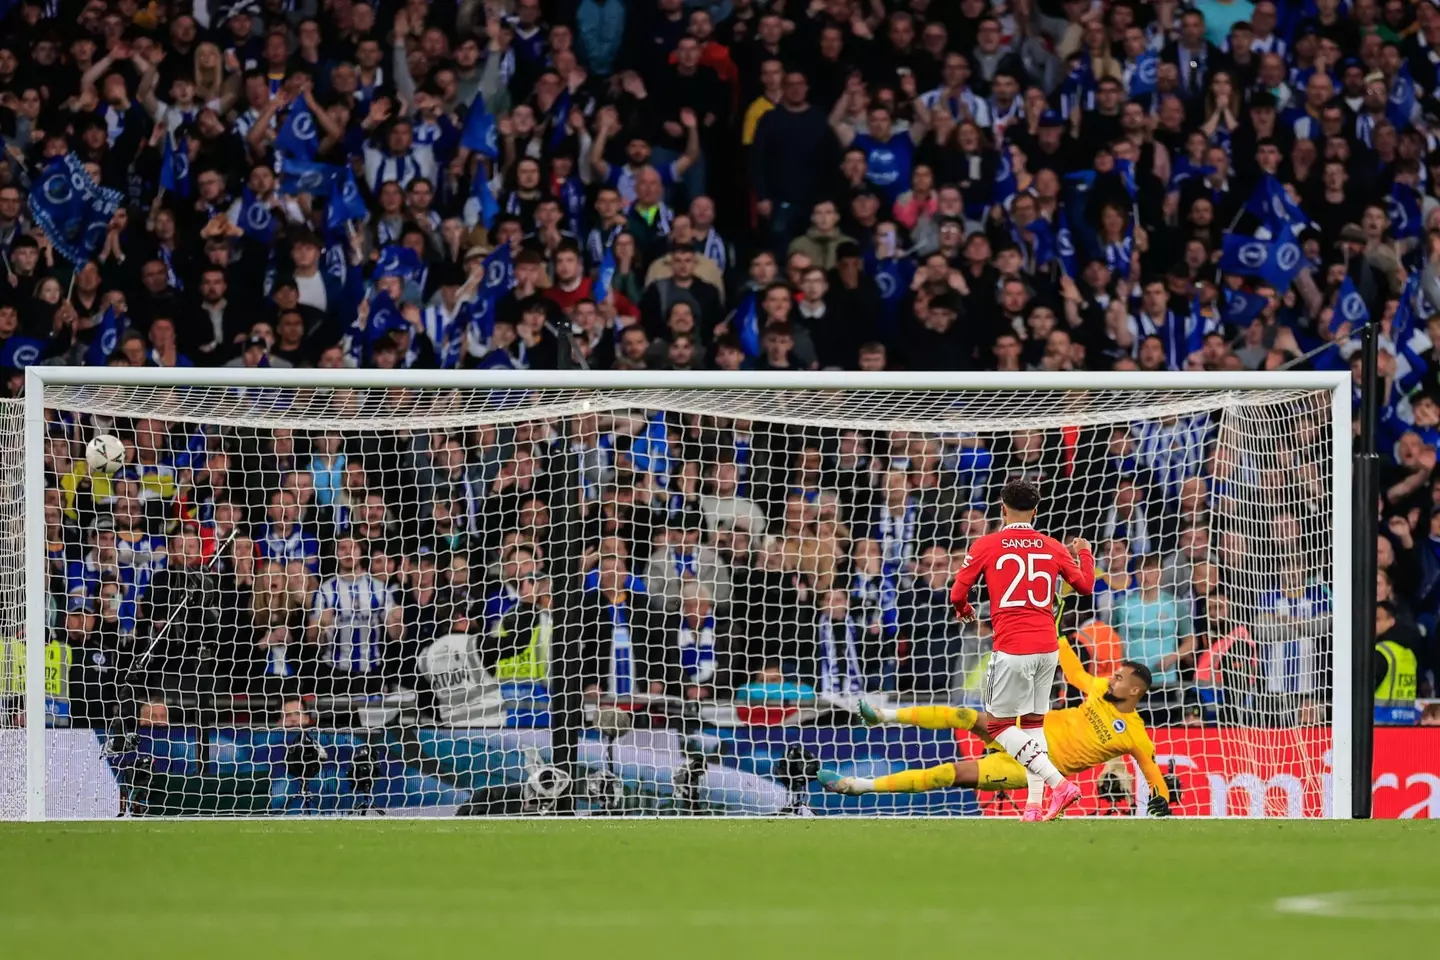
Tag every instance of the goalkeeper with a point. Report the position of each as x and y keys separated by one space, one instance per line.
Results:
x=1102 y=728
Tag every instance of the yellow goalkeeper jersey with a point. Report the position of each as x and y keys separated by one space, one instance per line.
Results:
x=1088 y=735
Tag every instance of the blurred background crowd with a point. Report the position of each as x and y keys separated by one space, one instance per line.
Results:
x=677 y=185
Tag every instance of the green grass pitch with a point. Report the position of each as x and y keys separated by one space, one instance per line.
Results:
x=718 y=888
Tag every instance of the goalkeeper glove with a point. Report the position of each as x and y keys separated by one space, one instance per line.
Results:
x=1158 y=806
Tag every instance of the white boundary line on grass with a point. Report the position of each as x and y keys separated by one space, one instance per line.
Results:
x=1389 y=905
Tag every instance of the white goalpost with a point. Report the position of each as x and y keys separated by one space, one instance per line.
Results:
x=435 y=593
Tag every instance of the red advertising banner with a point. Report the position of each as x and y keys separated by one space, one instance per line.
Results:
x=1407 y=773
x=1271 y=773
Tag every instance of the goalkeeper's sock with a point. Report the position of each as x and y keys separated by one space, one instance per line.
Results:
x=917 y=781
x=1031 y=755
x=934 y=718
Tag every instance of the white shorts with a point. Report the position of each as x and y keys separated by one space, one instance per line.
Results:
x=1019 y=683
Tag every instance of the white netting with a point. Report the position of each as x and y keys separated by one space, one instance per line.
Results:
x=303 y=600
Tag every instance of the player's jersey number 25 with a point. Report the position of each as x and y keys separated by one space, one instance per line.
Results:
x=1026 y=572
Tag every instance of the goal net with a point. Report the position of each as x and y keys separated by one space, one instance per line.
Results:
x=653 y=596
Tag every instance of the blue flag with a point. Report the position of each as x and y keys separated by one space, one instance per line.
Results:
x=1406 y=220
x=1287 y=259
x=1272 y=204
x=1065 y=245
x=297 y=138
x=1005 y=183
x=561 y=113
x=1241 y=308
x=257 y=220
x=398 y=261
x=1403 y=325
x=1349 y=308
x=1198 y=326
x=499 y=273
x=481 y=324
x=305 y=176
x=605 y=276
x=1142 y=78
x=484 y=196
x=385 y=318
x=451 y=348
x=1044 y=241
x=747 y=325
x=479 y=133
x=71 y=209
x=345 y=201
x=103 y=339
x=1402 y=99
x=16 y=353
x=1183 y=171
x=1275 y=261
x=1126 y=169
x=175 y=166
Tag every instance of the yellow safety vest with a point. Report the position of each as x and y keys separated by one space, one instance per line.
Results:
x=1399 y=684
x=530 y=663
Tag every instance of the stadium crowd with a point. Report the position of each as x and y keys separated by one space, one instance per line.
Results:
x=679 y=185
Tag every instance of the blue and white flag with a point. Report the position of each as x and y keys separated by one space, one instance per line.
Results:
x=747 y=325
x=1142 y=78
x=561 y=114
x=304 y=176
x=1272 y=204
x=605 y=276
x=1402 y=327
x=1126 y=169
x=257 y=220
x=104 y=339
x=1349 y=308
x=1406 y=219
x=1241 y=308
x=345 y=201
x=398 y=261
x=16 y=353
x=175 y=166
x=1065 y=245
x=481 y=322
x=1044 y=241
x=1275 y=261
x=73 y=211
x=451 y=348
x=298 y=138
x=499 y=273
x=385 y=318
x=484 y=196
x=1006 y=185
x=479 y=133
x=1182 y=171
x=1401 y=107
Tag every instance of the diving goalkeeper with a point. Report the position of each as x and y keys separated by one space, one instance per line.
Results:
x=1102 y=728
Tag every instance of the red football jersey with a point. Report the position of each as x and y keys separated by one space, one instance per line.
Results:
x=1021 y=567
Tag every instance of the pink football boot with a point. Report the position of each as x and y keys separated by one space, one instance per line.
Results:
x=1060 y=798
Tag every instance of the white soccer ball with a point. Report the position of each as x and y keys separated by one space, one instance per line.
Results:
x=105 y=454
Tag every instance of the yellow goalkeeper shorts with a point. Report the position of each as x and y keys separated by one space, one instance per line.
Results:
x=1000 y=771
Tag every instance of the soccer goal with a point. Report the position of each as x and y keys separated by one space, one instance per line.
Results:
x=328 y=592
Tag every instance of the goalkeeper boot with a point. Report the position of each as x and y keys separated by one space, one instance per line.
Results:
x=1060 y=798
x=1032 y=815
x=849 y=786
x=869 y=714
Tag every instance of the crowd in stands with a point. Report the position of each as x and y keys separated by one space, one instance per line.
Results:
x=678 y=185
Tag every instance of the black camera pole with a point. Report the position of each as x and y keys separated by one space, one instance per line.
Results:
x=1367 y=523
x=563 y=670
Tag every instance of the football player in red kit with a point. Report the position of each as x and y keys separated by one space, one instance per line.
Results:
x=1021 y=566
